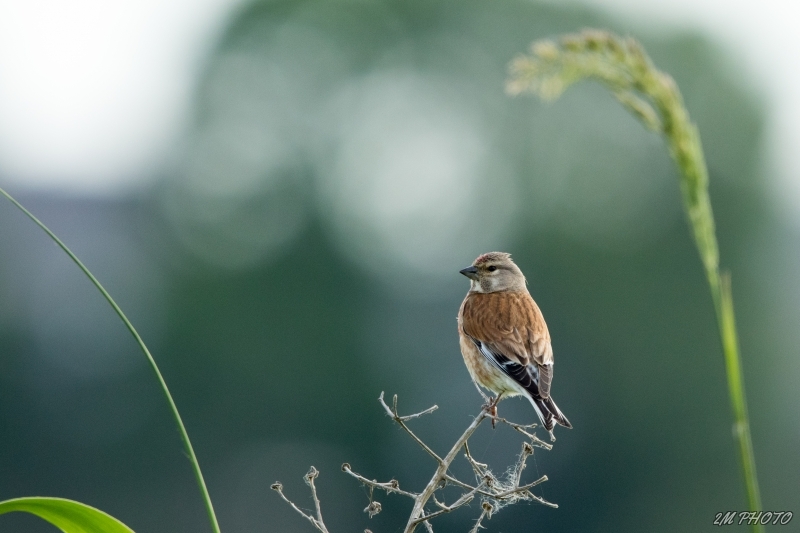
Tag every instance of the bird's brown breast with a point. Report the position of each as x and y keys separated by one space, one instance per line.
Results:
x=509 y=320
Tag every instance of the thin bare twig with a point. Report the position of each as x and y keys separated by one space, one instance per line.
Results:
x=520 y=490
x=309 y=479
x=479 y=468
x=463 y=500
x=417 y=415
x=390 y=486
x=316 y=522
x=460 y=483
x=497 y=495
x=536 y=441
x=485 y=513
x=392 y=412
x=527 y=451
x=541 y=500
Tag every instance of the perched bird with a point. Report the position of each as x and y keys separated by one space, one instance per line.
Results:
x=504 y=338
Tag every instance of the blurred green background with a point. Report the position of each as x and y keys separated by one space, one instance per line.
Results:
x=299 y=254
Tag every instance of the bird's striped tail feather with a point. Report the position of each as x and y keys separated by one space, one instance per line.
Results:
x=557 y=414
x=549 y=413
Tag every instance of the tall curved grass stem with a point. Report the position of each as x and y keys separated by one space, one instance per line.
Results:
x=651 y=95
x=179 y=422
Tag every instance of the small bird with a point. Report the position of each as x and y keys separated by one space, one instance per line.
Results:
x=504 y=338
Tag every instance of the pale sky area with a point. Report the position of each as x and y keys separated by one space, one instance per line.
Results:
x=94 y=94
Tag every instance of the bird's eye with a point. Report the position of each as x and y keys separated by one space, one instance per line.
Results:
x=492 y=268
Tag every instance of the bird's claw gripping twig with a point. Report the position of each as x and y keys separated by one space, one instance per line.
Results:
x=491 y=407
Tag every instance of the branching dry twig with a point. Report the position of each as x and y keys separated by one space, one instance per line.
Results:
x=309 y=479
x=389 y=487
x=494 y=493
x=401 y=421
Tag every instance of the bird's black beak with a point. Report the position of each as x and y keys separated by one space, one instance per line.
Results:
x=470 y=272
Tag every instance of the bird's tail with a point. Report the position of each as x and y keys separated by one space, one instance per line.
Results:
x=549 y=414
x=558 y=416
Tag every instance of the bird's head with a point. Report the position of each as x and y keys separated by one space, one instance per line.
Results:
x=494 y=272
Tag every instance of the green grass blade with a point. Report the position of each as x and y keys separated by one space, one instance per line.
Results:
x=67 y=515
x=624 y=68
x=178 y=421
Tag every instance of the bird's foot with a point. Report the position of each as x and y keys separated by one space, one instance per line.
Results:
x=491 y=408
x=552 y=437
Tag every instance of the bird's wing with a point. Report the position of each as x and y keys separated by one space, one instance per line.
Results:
x=509 y=330
x=545 y=379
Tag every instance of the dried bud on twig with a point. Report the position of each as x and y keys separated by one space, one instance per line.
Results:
x=312 y=475
x=527 y=449
x=373 y=508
